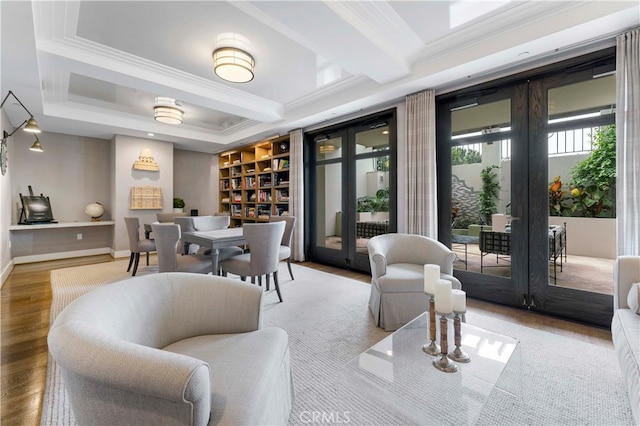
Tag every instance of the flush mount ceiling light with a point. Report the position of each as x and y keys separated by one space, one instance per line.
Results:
x=231 y=58
x=166 y=111
x=327 y=148
x=233 y=64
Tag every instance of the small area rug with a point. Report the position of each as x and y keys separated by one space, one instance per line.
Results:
x=564 y=381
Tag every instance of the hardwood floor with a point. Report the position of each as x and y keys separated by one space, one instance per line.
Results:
x=24 y=313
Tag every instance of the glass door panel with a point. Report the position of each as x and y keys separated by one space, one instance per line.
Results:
x=479 y=191
x=329 y=203
x=372 y=187
x=581 y=182
x=481 y=188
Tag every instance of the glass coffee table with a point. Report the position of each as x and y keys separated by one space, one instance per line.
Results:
x=398 y=375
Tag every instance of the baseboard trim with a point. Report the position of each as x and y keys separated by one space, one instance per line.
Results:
x=61 y=255
x=6 y=272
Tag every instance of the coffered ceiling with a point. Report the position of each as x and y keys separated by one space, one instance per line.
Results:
x=94 y=68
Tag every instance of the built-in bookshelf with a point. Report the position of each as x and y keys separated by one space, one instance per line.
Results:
x=254 y=181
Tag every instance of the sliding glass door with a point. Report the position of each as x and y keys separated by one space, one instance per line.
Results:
x=350 y=171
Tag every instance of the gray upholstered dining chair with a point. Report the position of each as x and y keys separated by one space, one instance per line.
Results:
x=169 y=260
x=264 y=247
x=136 y=244
x=285 y=244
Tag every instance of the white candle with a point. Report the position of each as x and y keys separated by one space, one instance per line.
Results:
x=459 y=301
x=443 y=297
x=431 y=274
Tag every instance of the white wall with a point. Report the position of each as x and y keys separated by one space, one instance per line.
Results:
x=72 y=171
x=126 y=151
x=195 y=180
x=5 y=208
x=560 y=165
x=592 y=237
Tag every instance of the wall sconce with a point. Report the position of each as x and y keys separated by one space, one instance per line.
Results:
x=30 y=126
x=37 y=147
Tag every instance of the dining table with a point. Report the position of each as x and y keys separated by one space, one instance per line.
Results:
x=215 y=240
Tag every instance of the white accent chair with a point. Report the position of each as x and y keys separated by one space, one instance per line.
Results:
x=169 y=259
x=264 y=247
x=173 y=349
x=625 y=328
x=137 y=245
x=397 y=276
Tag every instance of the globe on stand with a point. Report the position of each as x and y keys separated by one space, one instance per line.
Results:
x=94 y=211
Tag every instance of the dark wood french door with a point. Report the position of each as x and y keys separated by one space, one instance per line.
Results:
x=351 y=189
x=496 y=157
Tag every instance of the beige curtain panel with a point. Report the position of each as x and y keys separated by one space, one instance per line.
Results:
x=628 y=142
x=421 y=201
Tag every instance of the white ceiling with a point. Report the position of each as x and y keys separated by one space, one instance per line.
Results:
x=93 y=68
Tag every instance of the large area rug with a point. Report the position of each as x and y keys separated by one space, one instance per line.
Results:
x=564 y=381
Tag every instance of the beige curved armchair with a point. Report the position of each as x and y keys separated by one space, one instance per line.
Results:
x=397 y=276
x=173 y=349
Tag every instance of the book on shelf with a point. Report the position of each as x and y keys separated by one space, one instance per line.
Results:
x=225 y=200
x=280 y=163
x=264 y=196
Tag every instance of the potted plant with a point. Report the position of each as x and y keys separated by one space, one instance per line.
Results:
x=372 y=208
x=489 y=193
x=178 y=205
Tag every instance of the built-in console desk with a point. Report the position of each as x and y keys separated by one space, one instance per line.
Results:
x=49 y=241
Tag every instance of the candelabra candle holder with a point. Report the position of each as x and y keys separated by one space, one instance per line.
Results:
x=432 y=348
x=442 y=363
x=458 y=354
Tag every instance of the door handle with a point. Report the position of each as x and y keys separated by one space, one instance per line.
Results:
x=515 y=218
